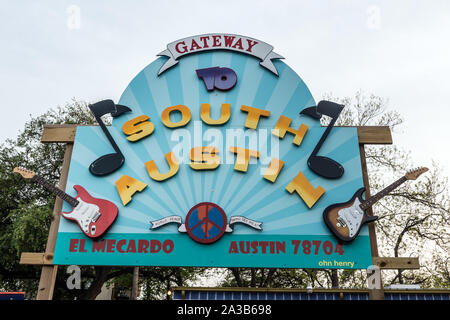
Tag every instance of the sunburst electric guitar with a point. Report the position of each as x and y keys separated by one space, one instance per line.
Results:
x=94 y=216
x=346 y=219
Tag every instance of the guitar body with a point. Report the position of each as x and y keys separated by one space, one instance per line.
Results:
x=346 y=219
x=94 y=216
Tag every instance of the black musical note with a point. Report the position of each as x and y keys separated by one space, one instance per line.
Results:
x=311 y=112
x=324 y=166
x=109 y=162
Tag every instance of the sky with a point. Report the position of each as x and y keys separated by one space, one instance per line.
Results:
x=54 y=51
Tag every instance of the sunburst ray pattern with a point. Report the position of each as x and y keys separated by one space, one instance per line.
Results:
x=238 y=193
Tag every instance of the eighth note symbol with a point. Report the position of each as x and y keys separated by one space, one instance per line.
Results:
x=107 y=163
x=324 y=166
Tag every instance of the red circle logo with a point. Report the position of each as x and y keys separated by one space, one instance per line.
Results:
x=206 y=222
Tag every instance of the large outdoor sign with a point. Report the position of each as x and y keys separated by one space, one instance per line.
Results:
x=215 y=157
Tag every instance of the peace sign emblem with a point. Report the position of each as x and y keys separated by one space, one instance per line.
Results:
x=206 y=222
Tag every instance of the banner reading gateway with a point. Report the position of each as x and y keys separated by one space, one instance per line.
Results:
x=211 y=163
x=245 y=45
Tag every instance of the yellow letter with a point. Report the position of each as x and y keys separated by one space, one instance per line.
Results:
x=205 y=114
x=243 y=157
x=204 y=158
x=127 y=186
x=273 y=170
x=305 y=189
x=185 y=116
x=253 y=116
x=138 y=128
x=153 y=171
x=283 y=125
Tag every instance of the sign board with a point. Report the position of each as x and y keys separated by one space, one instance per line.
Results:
x=216 y=167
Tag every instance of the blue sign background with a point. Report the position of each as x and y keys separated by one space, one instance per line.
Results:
x=284 y=216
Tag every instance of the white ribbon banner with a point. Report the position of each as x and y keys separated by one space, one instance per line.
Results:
x=220 y=41
x=182 y=228
x=169 y=219
x=239 y=219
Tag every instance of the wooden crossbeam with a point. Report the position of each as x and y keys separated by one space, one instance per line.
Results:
x=396 y=263
x=35 y=258
x=374 y=135
x=387 y=263
x=65 y=133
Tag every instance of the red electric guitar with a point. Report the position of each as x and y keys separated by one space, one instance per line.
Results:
x=94 y=216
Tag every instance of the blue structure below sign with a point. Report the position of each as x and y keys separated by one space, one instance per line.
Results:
x=301 y=294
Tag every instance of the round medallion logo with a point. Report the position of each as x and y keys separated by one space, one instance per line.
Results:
x=206 y=222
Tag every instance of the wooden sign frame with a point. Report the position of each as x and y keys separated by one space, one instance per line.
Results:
x=66 y=134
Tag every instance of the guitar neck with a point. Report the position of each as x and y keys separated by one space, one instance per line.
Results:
x=372 y=200
x=72 y=201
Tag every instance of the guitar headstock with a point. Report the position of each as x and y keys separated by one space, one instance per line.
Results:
x=413 y=174
x=27 y=174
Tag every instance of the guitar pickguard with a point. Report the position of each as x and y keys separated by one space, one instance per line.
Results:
x=351 y=217
x=84 y=213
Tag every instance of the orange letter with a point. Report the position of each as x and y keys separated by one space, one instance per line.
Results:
x=127 y=186
x=205 y=114
x=253 y=116
x=243 y=157
x=273 y=170
x=204 y=158
x=138 y=128
x=154 y=173
x=185 y=116
x=306 y=191
x=283 y=125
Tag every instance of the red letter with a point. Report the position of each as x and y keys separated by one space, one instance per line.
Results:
x=216 y=41
x=155 y=246
x=272 y=247
x=228 y=41
x=238 y=43
x=142 y=246
x=250 y=45
x=255 y=246
x=98 y=246
x=233 y=247
x=281 y=246
x=263 y=245
x=205 y=45
x=168 y=246
x=184 y=47
x=110 y=244
x=73 y=245
x=82 y=243
x=242 y=246
x=120 y=244
x=131 y=246
x=194 y=44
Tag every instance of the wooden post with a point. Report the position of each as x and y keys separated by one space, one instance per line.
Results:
x=134 y=288
x=48 y=273
x=376 y=293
